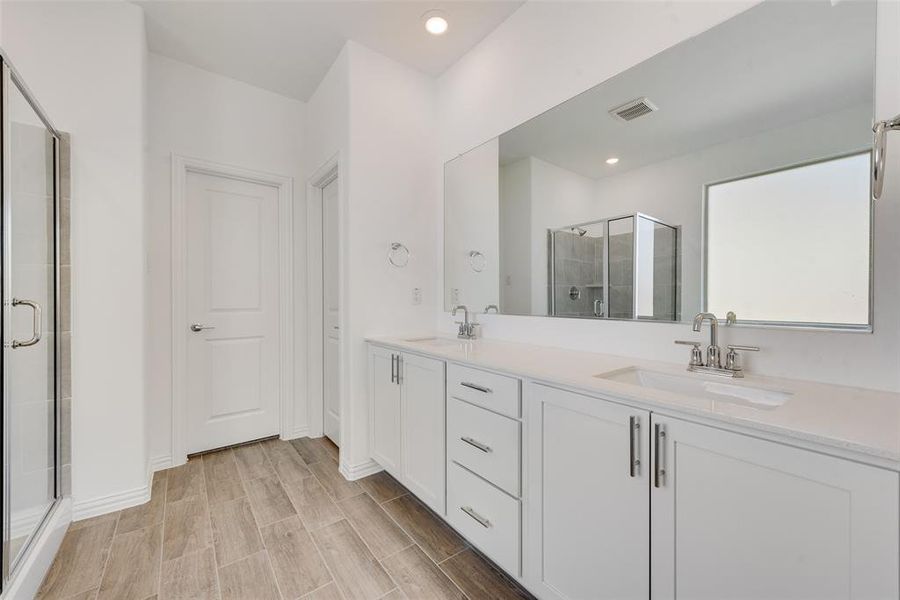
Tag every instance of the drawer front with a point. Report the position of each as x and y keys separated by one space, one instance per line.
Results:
x=486 y=443
x=496 y=392
x=486 y=516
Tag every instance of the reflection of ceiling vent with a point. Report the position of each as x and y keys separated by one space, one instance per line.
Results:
x=632 y=110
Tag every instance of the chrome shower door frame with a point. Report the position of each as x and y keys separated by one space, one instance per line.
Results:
x=11 y=78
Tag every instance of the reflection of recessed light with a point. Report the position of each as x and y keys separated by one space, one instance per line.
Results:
x=612 y=160
x=435 y=22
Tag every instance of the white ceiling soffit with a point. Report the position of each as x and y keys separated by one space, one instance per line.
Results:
x=287 y=46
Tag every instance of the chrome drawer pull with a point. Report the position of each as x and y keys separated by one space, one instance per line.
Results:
x=481 y=520
x=476 y=387
x=484 y=448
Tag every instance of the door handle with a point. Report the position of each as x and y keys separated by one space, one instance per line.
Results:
x=35 y=324
x=200 y=327
x=659 y=474
x=634 y=451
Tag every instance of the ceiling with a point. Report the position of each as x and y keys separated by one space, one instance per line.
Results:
x=775 y=64
x=287 y=46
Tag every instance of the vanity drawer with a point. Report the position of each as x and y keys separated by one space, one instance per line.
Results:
x=486 y=443
x=485 y=516
x=496 y=392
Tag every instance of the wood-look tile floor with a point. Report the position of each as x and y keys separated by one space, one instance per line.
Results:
x=275 y=520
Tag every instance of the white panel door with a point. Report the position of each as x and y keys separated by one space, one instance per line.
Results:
x=331 y=308
x=588 y=511
x=746 y=519
x=232 y=294
x=423 y=422
x=384 y=389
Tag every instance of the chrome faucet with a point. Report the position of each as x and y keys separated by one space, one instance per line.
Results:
x=713 y=352
x=467 y=329
x=713 y=365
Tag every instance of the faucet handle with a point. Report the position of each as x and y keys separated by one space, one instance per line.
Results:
x=696 y=353
x=732 y=361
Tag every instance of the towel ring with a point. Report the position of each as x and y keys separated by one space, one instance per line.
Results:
x=398 y=255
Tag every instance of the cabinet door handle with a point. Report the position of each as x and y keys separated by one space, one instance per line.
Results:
x=481 y=520
x=483 y=447
x=393 y=368
x=634 y=449
x=659 y=474
x=476 y=387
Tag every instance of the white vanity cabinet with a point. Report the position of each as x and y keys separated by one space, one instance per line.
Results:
x=408 y=421
x=739 y=517
x=588 y=497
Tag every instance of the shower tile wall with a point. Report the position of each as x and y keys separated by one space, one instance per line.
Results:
x=579 y=265
x=621 y=276
x=665 y=291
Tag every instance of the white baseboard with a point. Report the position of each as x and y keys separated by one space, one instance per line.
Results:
x=160 y=463
x=85 y=509
x=28 y=577
x=299 y=432
x=354 y=472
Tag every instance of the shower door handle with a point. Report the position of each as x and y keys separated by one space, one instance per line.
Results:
x=879 y=153
x=35 y=324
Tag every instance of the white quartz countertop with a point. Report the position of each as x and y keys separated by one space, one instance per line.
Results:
x=850 y=419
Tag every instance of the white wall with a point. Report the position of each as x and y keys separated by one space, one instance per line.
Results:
x=472 y=189
x=515 y=243
x=394 y=195
x=199 y=114
x=86 y=64
x=544 y=54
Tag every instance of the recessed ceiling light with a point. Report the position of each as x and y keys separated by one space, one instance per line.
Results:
x=612 y=160
x=435 y=22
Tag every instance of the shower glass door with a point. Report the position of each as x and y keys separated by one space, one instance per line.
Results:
x=29 y=282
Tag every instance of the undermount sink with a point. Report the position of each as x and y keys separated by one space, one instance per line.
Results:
x=435 y=341
x=699 y=386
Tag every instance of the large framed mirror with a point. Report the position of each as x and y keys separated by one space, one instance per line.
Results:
x=729 y=174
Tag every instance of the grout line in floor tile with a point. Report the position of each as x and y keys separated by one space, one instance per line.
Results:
x=428 y=556
x=162 y=540
x=212 y=535
x=259 y=529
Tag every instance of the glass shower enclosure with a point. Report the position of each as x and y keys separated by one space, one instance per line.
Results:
x=29 y=319
x=624 y=267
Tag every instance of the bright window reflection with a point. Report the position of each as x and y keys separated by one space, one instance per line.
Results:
x=793 y=245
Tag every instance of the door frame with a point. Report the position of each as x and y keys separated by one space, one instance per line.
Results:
x=328 y=172
x=181 y=167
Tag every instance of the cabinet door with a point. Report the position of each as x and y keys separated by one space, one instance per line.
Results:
x=742 y=518
x=588 y=512
x=423 y=419
x=384 y=391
